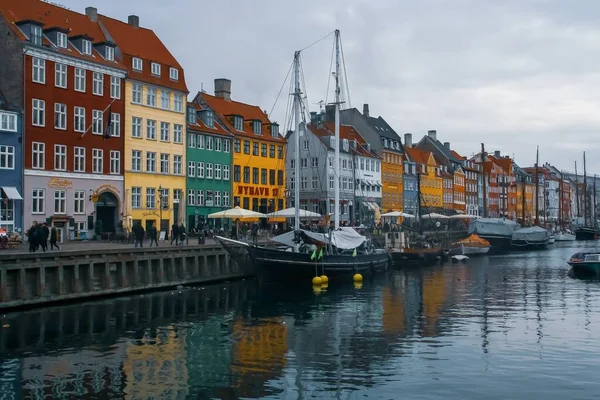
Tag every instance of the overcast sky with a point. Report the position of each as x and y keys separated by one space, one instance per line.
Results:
x=512 y=74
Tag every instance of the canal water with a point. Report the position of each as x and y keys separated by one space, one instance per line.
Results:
x=502 y=327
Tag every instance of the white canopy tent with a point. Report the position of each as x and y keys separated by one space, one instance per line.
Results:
x=291 y=213
x=237 y=213
x=463 y=216
x=397 y=214
x=434 y=216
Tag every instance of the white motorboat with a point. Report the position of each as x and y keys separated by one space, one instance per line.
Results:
x=564 y=237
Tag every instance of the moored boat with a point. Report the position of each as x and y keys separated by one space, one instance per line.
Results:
x=470 y=246
x=532 y=238
x=551 y=239
x=497 y=231
x=564 y=237
x=585 y=262
x=586 y=233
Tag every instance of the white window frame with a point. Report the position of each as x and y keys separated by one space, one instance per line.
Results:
x=178 y=102
x=61 y=40
x=177 y=133
x=80 y=75
x=191 y=197
x=97 y=161
x=79 y=202
x=136 y=127
x=38 y=112
x=136 y=160
x=98 y=84
x=165 y=161
x=200 y=142
x=165 y=99
x=79 y=119
x=136 y=197
x=115 y=124
x=192 y=140
x=165 y=127
x=60 y=75
x=115 y=162
x=151 y=96
x=60 y=201
x=192 y=169
x=38 y=158
x=38 y=70
x=86 y=47
x=38 y=202
x=8 y=122
x=209 y=171
x=155 y=69
x=225 y=199
x=150 y=161
x=200 y=173
x=173 y=74
x=150 y=129
x=226 y=172
x=97 y=122
x=7 y=157
x=115 y=87
x=200 y=198
x=137 y=64
x=150 y=197
x=177 y=164
x=137 y=93
x=60 y=116
x=60 y=157
x=78 y=159
x=109 y=53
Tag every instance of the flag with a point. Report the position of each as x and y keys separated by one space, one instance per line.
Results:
x=314 y=254
x=321 y=253
x=354 y=253
x=107 y=134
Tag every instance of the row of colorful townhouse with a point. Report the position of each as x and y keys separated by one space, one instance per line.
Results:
x=96 y=133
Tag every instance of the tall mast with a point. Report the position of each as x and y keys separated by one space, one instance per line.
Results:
x=485 y=206
x=577 y=191
x=297 y=100
x=336 y=163
x=560 y=201
x=523 y=179
x=594 y=205
x=585 y=210
x=537 y=188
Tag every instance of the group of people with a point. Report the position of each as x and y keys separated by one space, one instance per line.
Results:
x=139 y=234
x=38 y=235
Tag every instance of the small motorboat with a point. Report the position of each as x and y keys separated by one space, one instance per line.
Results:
x=459 y=259
x=585 y=262
x=470 y=246
x=532 y=238
x=551 y=239
x=564 y=236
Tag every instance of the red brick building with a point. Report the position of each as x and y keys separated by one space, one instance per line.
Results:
x=72 y=96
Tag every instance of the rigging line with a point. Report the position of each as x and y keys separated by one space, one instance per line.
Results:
x=281 y=89
x=323 y=38
x=345 y=74
x=329 y=72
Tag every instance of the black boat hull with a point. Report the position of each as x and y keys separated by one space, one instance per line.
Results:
x=586 y=234
x=520 y=245
x=499 y=244
x=417 y=258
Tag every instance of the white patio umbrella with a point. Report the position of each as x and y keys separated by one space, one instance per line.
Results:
x=291 y=213
x=236 y=213
x=397 y=214
x=433 y=216
x=463 y=216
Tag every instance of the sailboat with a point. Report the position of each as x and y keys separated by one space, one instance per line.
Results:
x=301 y=254
x=588 y=231
x=562 y=235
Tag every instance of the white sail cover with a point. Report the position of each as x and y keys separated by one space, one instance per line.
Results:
x=493 y=227
x=532 y=234
x=345 y=238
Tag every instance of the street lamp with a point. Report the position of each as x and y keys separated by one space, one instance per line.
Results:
x=160 y=207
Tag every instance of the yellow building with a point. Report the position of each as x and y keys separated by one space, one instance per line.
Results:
x=155 y=105
x=431 y=180
x=258 y=150
x=392 y=179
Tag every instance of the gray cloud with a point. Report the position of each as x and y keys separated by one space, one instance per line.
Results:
x=513 y=74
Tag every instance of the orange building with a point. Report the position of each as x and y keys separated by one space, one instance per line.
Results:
x=459 y=191
x=447 y=187
x=507 y=190
x=391 y=177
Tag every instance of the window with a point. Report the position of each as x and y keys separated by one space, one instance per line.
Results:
x=191 y=169
x=210 y=121
x=178 y=103
x=115 y=162
x=136 y=63
x=35 y=36
x=200 y=141
x=150 y=161
x=200 y=169
x=217 y=171
x=217 y=198
x=136 y=93
x=60 y=116
x=292 y=183
x=331 y=182
x=115 y=87
x=304 y=162
x=86 y=47
x=263 y=176
x=209 y=143
x=177 y=165
x=164 y=131
x=227 y=145
x=165 y=99
x=226 y=172
x=218 y=144
x=8 y=122
x=136 y=197
x=61 y=40
x=136 y=127
x=39 y=70
x=315 y=162
x=271 y=177
x=38 y=113
x=151 y=97
x=60 y=157
x=60 y=75
x=200 y=198
x=255 y=176
x=115 y=124
x=280 y=177
x=305 y=144
x=209 y=171
x=150 y=198
x=275 y=130
x=315 y=182
x=263 y=150
x=246 y=147
x=164 y=163
x=226 y=199
x=79 y=159
x=256 y=127
x=79 y=119
x=80 y=80
x=191 y=197
x=97 y=161
x=37 y=206
x=280 y=152
x=191 y=114
x=236 y=173
x=79 y=202
x=237 y=146
x=174 y=74
x=304 y=183
x=177 y=133
x=246 y=174
x=98 y=84
x=7 y=157
x=38 y=159
x=97 y=122
x=272 y=151
x=136 y=160
x=155 y=69
x=60 y=202
x=254 y=148
x=151 y=129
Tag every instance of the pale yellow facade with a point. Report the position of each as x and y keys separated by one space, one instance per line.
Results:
x=155 y=148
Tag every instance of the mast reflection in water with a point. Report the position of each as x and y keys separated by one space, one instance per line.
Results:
x=511 y=326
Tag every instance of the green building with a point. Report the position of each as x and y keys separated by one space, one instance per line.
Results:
x=208 y=166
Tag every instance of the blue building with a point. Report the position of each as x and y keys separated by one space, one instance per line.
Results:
x=11 y=167
x=411 y=195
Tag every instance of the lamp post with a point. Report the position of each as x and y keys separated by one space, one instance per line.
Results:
x=160 y=207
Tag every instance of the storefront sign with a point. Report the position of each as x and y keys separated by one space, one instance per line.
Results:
x=58 y=183
x=257 y=191
x=146 y=213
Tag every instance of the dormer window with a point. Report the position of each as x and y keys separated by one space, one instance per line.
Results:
x=385 y=142
x=61 y=40
x=136 y=63
x=173 y=74
x=238 y=123
x=109 y=53
x=86 y=47
x=275 y=130
x=35 y=36
x=257 y=127
x=156 y=69
x=210 y=120
x=191 y=115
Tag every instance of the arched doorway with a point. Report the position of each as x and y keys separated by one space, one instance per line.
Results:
x=106 y=211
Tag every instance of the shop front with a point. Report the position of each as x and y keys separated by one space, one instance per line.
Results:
x=78 y=207
x=11 y=209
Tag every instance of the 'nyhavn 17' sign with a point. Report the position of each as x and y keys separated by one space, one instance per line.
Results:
x=257 y=191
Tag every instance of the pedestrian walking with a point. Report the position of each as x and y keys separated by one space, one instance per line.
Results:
x=174 y=233
x=45 y=236
x=139 y=235
x=153 y=233
x=53 y=238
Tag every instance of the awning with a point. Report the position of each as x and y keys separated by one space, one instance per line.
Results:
x=11 y=192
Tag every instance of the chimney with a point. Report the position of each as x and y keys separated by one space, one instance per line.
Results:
x=432 y=134
x=223 y=88
x=408 y=140
x=497 y=154
x=134 y=21
x=447 y=145
x=92 y=13
x=330 y=112
x=366 y=110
